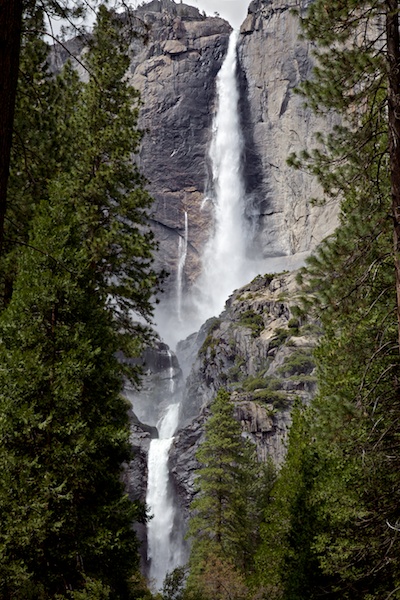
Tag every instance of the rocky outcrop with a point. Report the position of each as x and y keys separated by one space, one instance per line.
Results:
x=260 y=349
x=250 y=343
x=135 y=472
x=276 y=123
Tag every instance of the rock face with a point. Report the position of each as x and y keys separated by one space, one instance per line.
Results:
x=275 y=122
x=175 y=60
x=261 y=351
x=176 y=74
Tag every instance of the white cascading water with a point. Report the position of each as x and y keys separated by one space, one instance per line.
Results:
x=164 y=553
x=227 y=263
x=182 y=253
x=225 y=266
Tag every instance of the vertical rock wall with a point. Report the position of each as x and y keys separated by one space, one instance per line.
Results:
x=175 y=72
x=273 y=62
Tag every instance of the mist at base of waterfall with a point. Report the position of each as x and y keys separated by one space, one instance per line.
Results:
x=194 y=313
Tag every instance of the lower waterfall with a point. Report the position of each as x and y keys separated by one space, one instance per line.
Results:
x=163 y=556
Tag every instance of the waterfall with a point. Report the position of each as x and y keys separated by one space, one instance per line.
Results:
x=182 y=253
x=165 y=551
x=171 y=379
x=224 y=265
x=224 y=268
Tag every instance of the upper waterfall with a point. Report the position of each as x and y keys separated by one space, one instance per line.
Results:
x=224 y=254
x=225 y=262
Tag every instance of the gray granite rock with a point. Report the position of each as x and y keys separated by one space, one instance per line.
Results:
x=261 y=353
x=273 y=61
x=175 y=72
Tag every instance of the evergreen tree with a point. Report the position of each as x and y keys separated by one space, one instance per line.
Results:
x=224 y=522
x=14 y=16
x=106 y=187
x=64 y=431
x=41 y=143
x=350 y=461
x=65 y=522
x=357 y=76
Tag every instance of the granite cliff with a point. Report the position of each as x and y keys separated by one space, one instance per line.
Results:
x=175 y=58
x=175 y=71
x=276 y=123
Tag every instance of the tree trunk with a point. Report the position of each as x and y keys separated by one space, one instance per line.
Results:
x=393 y=49
x=10 y=42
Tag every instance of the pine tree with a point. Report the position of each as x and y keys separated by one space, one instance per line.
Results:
x=287 y=565
x=105 y=183
x=64 y=431
x=66 y=526
x=224 y=518
x=353 y=424
x=14 y=17
x=41 y=142
x=357 y=76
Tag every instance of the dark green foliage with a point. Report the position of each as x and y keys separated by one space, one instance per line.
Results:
x=260 y=382
x=294 y=325
x=81 y=265
x=173 y=588
x=298 y=362
x=327 y=533
x=105 y=185
x=38 y=144
x=210 y=342
x=285 y=555
x=253 y=321
x=281 y=335
x=64 y=430
x=279 y=400
x=226 y=513
x=236 y=372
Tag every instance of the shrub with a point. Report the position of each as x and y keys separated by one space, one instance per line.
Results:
x=300 y=362
x=281 y=336
x=253 y=321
